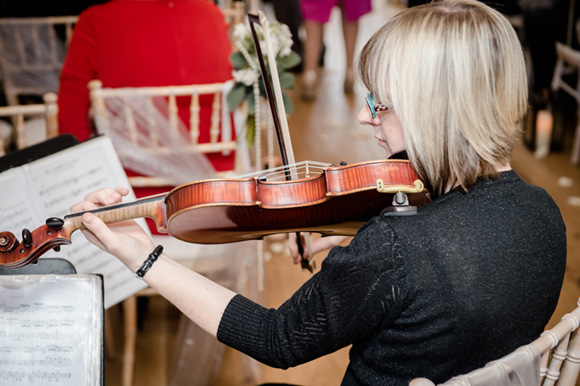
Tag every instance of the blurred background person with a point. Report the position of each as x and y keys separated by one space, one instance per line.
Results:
x=316 y=14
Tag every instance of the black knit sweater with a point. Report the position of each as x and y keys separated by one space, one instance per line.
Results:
x=467 y=280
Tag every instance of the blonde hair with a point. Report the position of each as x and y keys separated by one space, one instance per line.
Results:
x=453 y=72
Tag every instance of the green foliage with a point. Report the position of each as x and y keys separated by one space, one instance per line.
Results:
x=236 y=96
x=289 y=61
x=238 y=60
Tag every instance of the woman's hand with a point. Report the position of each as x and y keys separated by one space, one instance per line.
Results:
x=317 y=246
x=125 y=240
x=200 y=299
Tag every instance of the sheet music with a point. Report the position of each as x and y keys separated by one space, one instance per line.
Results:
x=16 y=212
x=51 y=330
x=50 y=186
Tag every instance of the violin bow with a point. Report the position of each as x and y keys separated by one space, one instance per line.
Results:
x=279 y=116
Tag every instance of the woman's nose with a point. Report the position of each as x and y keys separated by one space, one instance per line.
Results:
x=366 y=118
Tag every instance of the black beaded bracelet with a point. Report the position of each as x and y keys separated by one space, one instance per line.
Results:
x=149 y=262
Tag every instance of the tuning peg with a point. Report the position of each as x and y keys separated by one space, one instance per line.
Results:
x=56 y=249
x=26 y=238
x=55 y=223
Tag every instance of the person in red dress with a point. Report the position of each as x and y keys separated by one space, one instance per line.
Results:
x=134 y=43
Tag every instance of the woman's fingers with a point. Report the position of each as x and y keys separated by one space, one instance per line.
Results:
x=101 y=197
x=83 y=206
x=107 y=196
x=327 y=242
x=100 y=230
x=293 y=247
x=126 y=240
x=319 y=245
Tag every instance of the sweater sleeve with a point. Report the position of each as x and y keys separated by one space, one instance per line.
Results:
x=78 y=69
x=358 y=289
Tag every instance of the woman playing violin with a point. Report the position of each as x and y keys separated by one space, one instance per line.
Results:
x=473 y=275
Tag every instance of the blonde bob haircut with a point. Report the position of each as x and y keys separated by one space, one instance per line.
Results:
x=453 y=72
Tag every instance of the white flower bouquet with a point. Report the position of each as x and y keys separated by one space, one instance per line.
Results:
x=248 y=79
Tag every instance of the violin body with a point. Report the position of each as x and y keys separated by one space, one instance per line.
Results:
x=336 y=201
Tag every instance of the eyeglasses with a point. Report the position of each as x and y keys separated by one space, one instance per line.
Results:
x=370 y=100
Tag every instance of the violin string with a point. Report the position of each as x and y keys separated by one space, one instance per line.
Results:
x=303 y=168
x=303 y=171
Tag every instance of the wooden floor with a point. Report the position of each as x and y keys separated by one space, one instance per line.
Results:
x=327 y=130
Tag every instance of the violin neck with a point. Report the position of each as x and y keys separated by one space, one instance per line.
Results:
x=152 y=207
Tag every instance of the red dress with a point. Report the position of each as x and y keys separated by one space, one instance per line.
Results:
x=319 y=10
x=133 y=43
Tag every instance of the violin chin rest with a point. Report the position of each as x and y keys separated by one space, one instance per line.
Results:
x=400 y=207
x=408 y=210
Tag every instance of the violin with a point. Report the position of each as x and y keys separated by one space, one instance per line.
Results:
x=327 y=199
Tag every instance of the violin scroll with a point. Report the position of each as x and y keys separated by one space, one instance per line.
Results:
x=16 y=254
x=8 y=242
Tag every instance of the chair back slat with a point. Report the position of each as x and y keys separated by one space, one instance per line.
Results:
x=215 y=118
x=194 y=119
x=131 y=126
x=20 y=132
x=51 y=114
x=571 y=366
x=68 y=32
x=99 y=108
x=173 y=115
x=558 y=357
x=544 y=362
